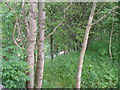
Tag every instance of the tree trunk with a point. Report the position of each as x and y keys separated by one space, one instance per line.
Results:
x=40 y=61
x=51 y=46
x=82 y=53
x=110 y=52
x=31 y=35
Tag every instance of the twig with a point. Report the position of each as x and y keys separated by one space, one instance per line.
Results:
x=67 y=8
x=54 y=30
x=99 y=9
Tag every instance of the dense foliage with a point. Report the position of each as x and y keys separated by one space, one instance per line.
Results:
x=98 y=70
x=14 y=74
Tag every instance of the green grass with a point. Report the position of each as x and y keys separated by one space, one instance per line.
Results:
x=97 y=73
x=98 y=70
x=60 y=70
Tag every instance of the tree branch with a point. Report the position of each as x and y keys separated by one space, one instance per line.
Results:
x=25 y=19
x=99 y=9
x=15 y=42
x=110 y=42
x=54 y=30
x=104 y=16
x=67 y=7
x=27 y=25
x=20 y=38
x=59 y=23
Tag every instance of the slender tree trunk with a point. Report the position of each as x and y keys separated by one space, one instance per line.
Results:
x=82 y=53
x=40 y=61
x=51 y=46
x=31 y=44
x=110 y=43
x=55 y=48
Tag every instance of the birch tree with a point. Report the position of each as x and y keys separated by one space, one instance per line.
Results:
x=40 y=60
x=31 y=36
x=85 y=41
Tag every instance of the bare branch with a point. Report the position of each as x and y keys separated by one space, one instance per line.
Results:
x=99 y=9
x=104 y=16
x=23 y=4
x=110 y=42
x=20 y=36
x=15 y=42
x=67 y=7
x=54 y=30
x=25 y=19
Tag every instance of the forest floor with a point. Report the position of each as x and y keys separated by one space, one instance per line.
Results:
x=98 y=70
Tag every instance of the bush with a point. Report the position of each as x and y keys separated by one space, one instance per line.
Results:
x=14 y=73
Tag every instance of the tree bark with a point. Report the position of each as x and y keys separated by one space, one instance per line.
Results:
x=40 y=61
x=82 y=53
x=31 y=44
